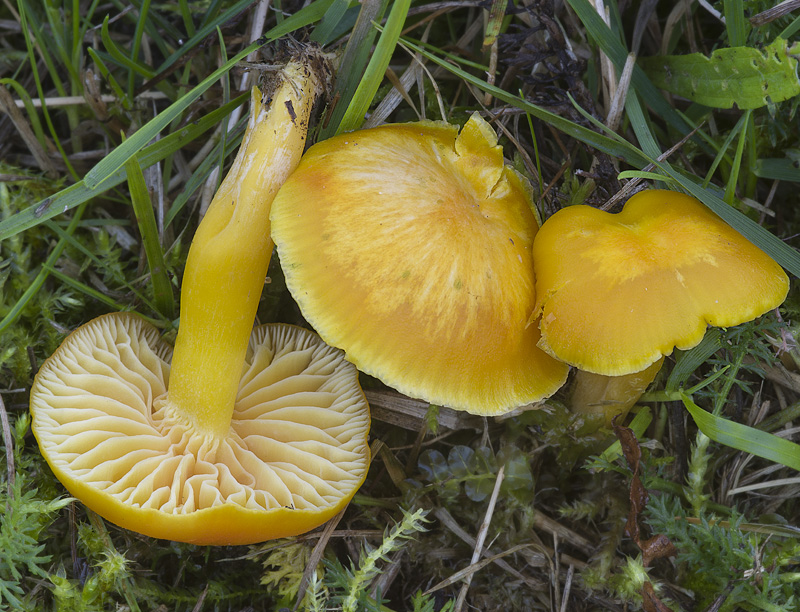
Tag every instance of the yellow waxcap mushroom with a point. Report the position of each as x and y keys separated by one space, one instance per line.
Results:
x=237 y=436
x=295 y=452
x=409 y=246
x=616 y=292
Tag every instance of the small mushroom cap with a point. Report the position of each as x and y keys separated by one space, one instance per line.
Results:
x=296 y=453
x=409 y=247
x=616 y=292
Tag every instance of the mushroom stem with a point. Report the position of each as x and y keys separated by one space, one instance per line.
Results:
x=228 y=259
x=600 y=396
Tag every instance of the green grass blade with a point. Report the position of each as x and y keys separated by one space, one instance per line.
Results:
x=640 y=125
x=353 y=63
x=723 y=150
x=733 y=179
x=118 y=56
x=78 y=193
x=373 y=75
x=687 y=362
x=640 y=174
x=327 y=25
x=146 y=218
x=29 y=20
x=186 y=15
x=791 y=29
x=137 y=41
x=57 y=39
x=778 y=169
x=744 y=438
x=735 y=23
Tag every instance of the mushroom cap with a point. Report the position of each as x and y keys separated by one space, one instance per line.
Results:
x=296 y=452
x=616 y=292
x=409 y=247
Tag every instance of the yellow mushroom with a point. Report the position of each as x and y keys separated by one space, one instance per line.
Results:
x=409 y=247
x=246 y=435
x=618 y=292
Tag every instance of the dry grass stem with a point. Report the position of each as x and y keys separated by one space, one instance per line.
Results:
x=532 y=558
x=567 y=588
x=618 y=103
x=484 y=529
x=8 y=441
x=316 y=555
x=9 y=107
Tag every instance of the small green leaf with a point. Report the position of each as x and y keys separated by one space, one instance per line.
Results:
x=479 y=488
x=518 y=481
x=433 y=466
x=458 y=459
x=741 y=76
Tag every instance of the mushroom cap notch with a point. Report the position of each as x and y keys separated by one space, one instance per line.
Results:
x=616 y=292
x=409 y=247
x=295 y=454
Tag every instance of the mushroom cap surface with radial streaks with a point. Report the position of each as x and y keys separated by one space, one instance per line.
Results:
x=296 y=452
x=616 y=292
x=409 y=247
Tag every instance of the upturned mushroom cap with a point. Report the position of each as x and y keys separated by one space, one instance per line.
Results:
x=295 y=454
x=616 y=292
x=409 y=247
